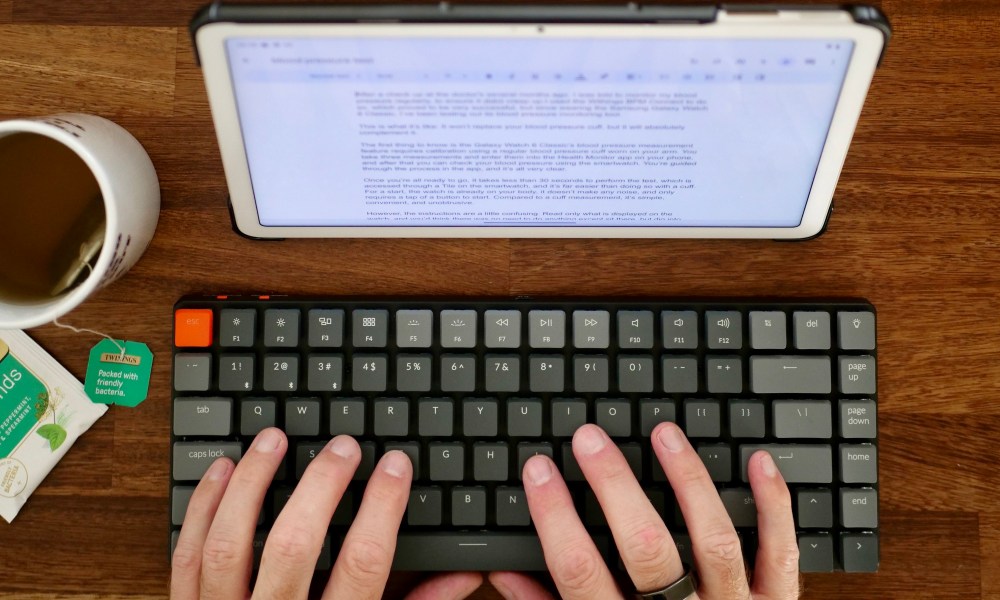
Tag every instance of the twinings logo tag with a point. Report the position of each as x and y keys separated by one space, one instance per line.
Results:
x=122 y=359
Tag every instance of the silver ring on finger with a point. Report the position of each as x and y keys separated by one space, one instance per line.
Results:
x=682 y=589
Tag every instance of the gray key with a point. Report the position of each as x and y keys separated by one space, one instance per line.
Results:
x=369 y=372
x=746 y=418
x=545 y=373
x=502 y=373
x=192 y=459
x=326 y=373
x=414 y=328
x=547 y=328
x=411 y=450
x=815 y=509
x=614 y=417
x=740 y=505
x=471 y=551
x=591 y=329
x=180 y=497
x=790 y=375
x=859 y=552
x=680 y=374
x=593 y=516
x=635 y=374
x=858 y=463
x=490 y=461
x=724 y=329
x=768 y=330
x=702 y=418
x=435 y=417
x=859 y=508
x=635 y=329
x=480 y=417
x=798 y=463
x=347 y=417
x=367 y=465
x=802 y=419
x=236 y=327
x=590 y=374
x=192 y=372
x=413 y=372
x=811 y=330
x=816 y=553
x=281 y=372
x=857 y=374
x=458 y=329
x=424 y=507
x=857 y=419
x=392 y=417
x=571 y=470
x=524 y=417
x=502 y=328
x=680 y=329
x=458 y=372
x=512 y=507
x=281 y=327
x=653 y=412
x=633 y=456
x=326 y=328
x=203 y=416
x=236 y=372
x=856 y=330
x=447 y=461
x=370 y=327
x=302 y=416
x=526 y=450
x=468 y=506
x=724 y=374
x=568 y=416
x=256 y=415
x=718 y=460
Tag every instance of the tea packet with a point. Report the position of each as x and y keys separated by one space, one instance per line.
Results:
x=43 y=410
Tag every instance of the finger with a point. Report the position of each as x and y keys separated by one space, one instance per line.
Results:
x=517 y=586
x=717 y=551
x=366 y=556
x=453 y=586
x=186 y=572
x=776 y=574
x=570 y=554
x=228 y=554
x=645 y=545
x=296 y=539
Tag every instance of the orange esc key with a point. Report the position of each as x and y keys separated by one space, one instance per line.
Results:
x=193 y=328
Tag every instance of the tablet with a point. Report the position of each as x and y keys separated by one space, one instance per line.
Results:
x=535 y=121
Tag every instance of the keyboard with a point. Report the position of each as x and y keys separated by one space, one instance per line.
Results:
x=470 y=389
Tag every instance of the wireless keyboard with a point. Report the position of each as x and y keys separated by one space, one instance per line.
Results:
x=470 y=389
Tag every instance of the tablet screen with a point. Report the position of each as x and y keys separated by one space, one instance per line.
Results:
x=555 y=131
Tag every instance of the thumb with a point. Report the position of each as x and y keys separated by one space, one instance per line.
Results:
x=518 y=586
x=451 y=586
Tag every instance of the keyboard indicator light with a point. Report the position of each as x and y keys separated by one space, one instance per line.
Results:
x=193 y=328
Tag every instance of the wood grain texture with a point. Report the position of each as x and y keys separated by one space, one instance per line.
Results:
x=914 y=231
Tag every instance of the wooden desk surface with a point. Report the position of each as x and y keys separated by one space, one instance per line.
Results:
x=914 y=231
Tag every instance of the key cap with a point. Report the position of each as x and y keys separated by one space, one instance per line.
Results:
x=811 y=331
x=802 y=419
x=815 y=509
x=680 y=374
x=635 y=374
x=724 y=329
x=635 y=329
x=857 y=419
x=392 y=417
x=790 y=374
x=590 y=374
x=633 y=456
x=413 y=372
x=180 y=497
x=512 y=507
x=680 y=329
x=593 y=515
x=236 y=372
x=480 y=417
x=702 y=418
x=326 y=373
x=435 y=417
x=424 y=507
x=767 y=330
x=857 y=374
x=305 y=453
x=410 y=449
x=798 y=463
x=856 y=330
x=571 y=470
x=724 y=374
x=568 y=415
x=458 y=328
x=502 y=328
x=470 y=551
x=545 y=373
x=367 y=465
x=859 y=552
x=718 y=459
x=524 y=417
x=414 y=328
x=746 y=418
x=193 y=328
x=614 y=417
x=503 y=373
x=526 y=450
x=256 y=415
x=192 y=372
x=740 y=505
x=281 y=327
x=369 y=372
x=302 y=416
x=236 y=327
x=192 y=459
x=458 y=373
x=468 y=506
x=653 y=412
x=371 y=328
x=347 y=417
x=858 y=463
x=547 y=328
x=447 y=461
x=816 y=553
x=591 y=329
x=203 y=416
x=281 y=373
x=344 y=513
x=326 y=327
x=490 y=461
x=859 y=508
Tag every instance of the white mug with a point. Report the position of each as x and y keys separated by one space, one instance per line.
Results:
x=131 y=196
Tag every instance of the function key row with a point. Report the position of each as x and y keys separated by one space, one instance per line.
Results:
x=546 y=329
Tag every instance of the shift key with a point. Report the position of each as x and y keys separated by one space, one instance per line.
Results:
x=192 y=459
x=790 y=375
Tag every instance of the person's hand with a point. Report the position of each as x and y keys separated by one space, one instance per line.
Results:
x=645 y=545
x=214 y=554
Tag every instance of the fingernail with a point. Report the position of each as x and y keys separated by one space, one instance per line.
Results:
x=670 y=437
x=218 y=470
x=590 y=440
x=538 y=470
x=396 y=463
x=768 y=466
x=343 y=446
x=267 y=441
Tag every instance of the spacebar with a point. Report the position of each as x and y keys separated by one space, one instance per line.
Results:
x=468 y=551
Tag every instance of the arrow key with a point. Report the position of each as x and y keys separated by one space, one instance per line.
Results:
x=816 y=553
x=859 y=552
x=815 y=508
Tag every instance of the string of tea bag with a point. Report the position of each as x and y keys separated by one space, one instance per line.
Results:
x=83 y=255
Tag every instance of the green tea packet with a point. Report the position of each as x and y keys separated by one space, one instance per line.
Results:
x=43 y=410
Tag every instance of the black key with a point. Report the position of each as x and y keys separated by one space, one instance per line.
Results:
x=680 y=374
x=305 y=452
x=859 y=552
x=325 y=373
x=545 y=373
x=435 y=417
x=718 y=459
x=281 y=327
x=614 y=417
x=302 y=416
x=345 y=510
x=458 y=372
x=512 y=507
x=471 y=551
x=702 y=418
x=468 y=506
x=570 y=467
x=236 y=327
x=590 y=374
x=502 y=373
x=236 y=372
x=326 y=328
x=258 y=547
x=657 y=468
x=633 y=456
x=179 y=498
x=683 y=543
x=658 y=500
x=192 y=459
x=325 y=560
x=203 y=416
x=447 y=461
x=815 y=509
x=480 y=417
x=369 y=372
x=256 y=415
x=367 y=465
x=740 y=505
x=635 y=374
x=347 y=417
x=524 y=417
x=281 y=373
x=410 y=449
x=424 y=507
x=490 y=461
x=593 y=515
x=724 y=374
x=392 y=417
x=526 y=450
x=653 y=412
x=568 y=415
x=746 y=418
x=280 y=498
x=816 y=553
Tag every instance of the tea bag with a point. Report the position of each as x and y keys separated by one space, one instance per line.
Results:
x=72 y=261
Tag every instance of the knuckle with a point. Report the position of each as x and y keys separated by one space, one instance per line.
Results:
x=289 y=545
x=647 y=550
x=724 y=547
x=365 y=561
x=787 y=560
x=578 y=570
x=222 y=553
x=187 y=557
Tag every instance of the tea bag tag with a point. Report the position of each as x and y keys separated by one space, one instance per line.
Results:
x=119 y=372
